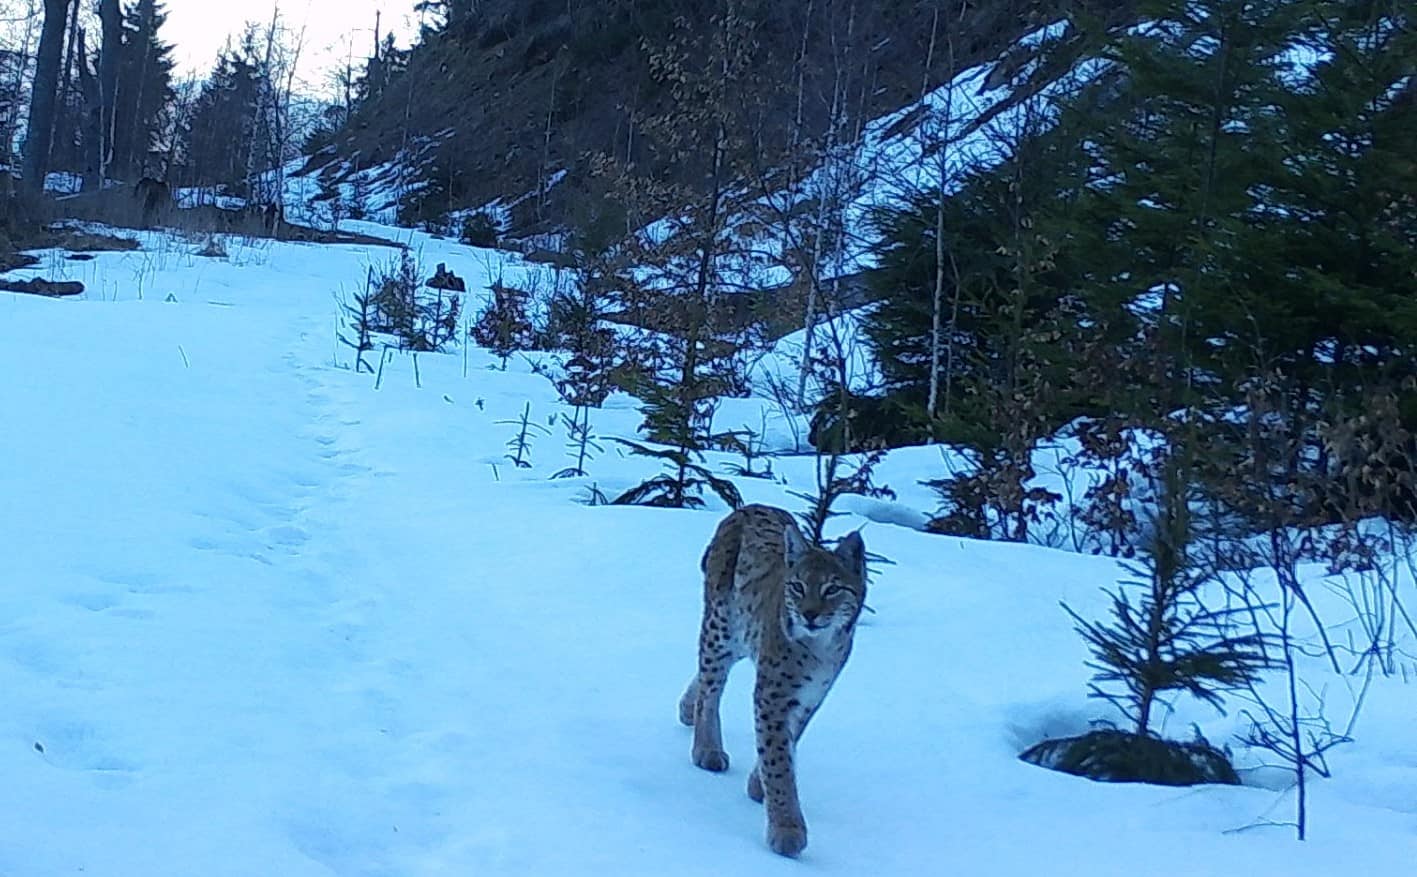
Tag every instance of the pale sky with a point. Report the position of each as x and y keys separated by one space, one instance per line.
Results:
x=198 y=29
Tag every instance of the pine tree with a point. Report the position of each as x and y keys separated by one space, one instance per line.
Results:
x=1335 y=246
x=224 y=120
x=144 y=87
x=1334 y=233
x=1250 y=217
x=503 y=326
x=1005 y=273
x=1249 y=228
x=1162 y=638
x=1016 y=332
x=1189 y=131
x=1165 y=638
x=686 y=264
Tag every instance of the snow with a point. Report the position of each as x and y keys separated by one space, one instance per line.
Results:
x=258 y=617
x=197 y=196
x=63 y=183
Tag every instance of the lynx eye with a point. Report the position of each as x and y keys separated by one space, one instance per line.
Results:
x=833 y=591
x=795 y=588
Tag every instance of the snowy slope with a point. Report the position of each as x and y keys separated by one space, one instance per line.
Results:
x=260 y=618
x=890 y=158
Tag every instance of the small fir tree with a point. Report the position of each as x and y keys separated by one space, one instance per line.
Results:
x=1161 y=636
x=358 y=324
x=504 y=326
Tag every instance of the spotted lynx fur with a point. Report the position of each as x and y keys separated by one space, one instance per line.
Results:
x=792 y=608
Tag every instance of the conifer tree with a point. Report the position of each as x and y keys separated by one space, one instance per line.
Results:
x=1161 y=636
x=1187 y=136
x=687 y=263
x=1016 y=332
x=1248 y=219
x=1334 y=246
x=144 y=87
x=223 y=118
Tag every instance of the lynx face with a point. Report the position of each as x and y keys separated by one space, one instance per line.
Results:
x=822 y=590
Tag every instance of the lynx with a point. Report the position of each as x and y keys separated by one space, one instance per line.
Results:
x=792 y=608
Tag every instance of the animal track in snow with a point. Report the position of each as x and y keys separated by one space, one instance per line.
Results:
x=93 y=602
x=288 y=536
x=73 y=744
x=143 y=582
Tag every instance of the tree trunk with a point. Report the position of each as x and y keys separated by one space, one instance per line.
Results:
x=264 y=110
x=138 y=135
x=937 y=300
x=40 y=130
x=282 y=119
x=68 y=111
x=830 y=203
x=66 y=85
x=544 y=172
x=111 y=17
x=92 y=116
x=938 y=127
x=932 y=399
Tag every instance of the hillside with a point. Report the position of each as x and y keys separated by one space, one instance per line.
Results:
x=495 y=107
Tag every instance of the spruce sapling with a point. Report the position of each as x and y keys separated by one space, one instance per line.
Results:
x=519 y=445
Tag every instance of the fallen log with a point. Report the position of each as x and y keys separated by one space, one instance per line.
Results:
x=40 y=286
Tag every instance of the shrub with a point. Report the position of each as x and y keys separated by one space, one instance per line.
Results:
x=422 y=319
x=479 y=229
x=504 y=326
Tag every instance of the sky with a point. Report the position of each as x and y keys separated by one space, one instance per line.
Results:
x=199 y=28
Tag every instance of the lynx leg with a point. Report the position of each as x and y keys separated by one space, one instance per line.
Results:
x=799 y=717
x=689 y=702
x=787 y=830
x=755 y=785
x=716 y=658
x=708 y=731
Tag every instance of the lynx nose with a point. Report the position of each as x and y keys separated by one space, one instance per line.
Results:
x=810 y=616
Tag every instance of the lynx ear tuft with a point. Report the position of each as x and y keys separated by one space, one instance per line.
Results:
x=852 y=552
x=794 y=545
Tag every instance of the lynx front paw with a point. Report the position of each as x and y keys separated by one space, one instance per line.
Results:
x=787 y=840
x=755 y=786
x=715 y=760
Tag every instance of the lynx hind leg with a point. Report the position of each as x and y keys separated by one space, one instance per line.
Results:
x=716 y=658
x=689 y=703
x=755 y=784
x=708 y=730
x=718 y=650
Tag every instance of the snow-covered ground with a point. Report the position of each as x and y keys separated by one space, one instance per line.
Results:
x=258 y=617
